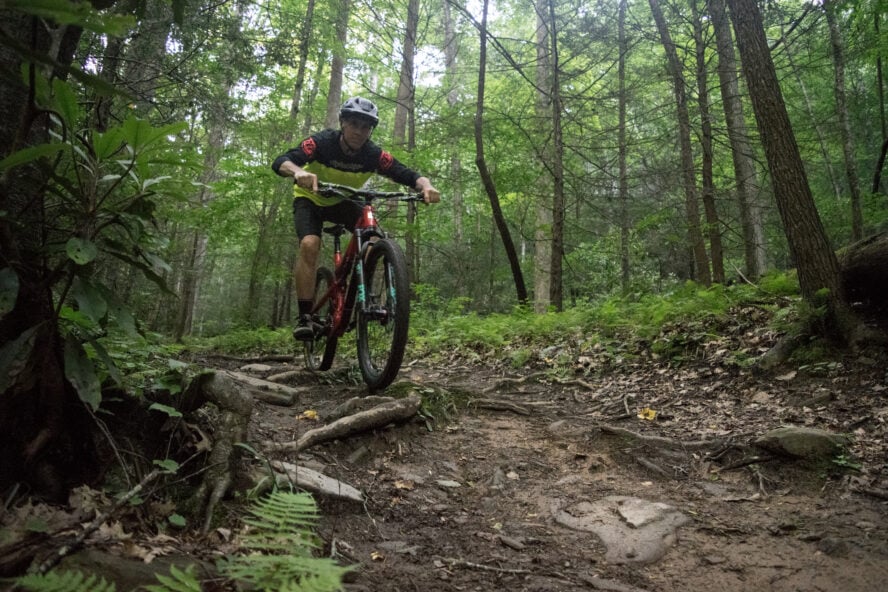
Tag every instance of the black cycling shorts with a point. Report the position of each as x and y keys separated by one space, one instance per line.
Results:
x=309 y=217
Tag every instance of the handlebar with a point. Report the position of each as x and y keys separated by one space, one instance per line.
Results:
x=366 y=195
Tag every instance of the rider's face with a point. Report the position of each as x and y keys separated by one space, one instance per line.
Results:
x=355 y=132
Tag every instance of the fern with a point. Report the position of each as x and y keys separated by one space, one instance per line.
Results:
x=283 y=547
x=64 y=581
x=177 y=581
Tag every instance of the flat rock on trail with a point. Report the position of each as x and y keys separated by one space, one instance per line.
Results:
x=633 y=481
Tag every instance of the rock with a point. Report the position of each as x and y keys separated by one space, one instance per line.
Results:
x=634 y=530
x=801 y=442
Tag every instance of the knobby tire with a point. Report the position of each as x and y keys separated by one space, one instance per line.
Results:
x=382 y=328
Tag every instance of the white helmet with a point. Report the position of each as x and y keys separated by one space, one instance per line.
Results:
x=362 y=108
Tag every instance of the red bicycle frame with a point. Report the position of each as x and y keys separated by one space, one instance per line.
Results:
x=342 y=294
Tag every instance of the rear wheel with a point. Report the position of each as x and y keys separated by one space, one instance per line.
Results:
x=383 y=322
x=320 y=351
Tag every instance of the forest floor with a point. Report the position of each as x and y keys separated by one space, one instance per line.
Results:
x=538 y=484
x=638 y=477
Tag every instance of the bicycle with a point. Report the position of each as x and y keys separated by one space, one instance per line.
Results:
x=368 y=289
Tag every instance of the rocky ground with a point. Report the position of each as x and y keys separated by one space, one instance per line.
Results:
x=637 y=480
x=646 y=476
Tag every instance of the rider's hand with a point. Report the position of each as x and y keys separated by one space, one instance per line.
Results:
x=429 y=193
x=306 y=180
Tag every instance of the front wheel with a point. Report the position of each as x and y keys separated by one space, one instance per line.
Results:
x=320 y=351
x=383 y=319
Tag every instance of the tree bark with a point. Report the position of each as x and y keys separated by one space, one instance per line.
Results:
x=692 y=208
x=403 y=128
x=337 y=65
x=556 y=285
x=817 y=265
x=623 y=180
x=542 y=252
x=713 y=225
x=745 y=178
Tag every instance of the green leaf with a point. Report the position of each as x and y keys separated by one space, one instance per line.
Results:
x=168 y=465
x=66 y=103
x=171 y=411
x=81 y=14
x=9 y=287
x=177 y=520
x=89 y=299
x=113 y=370
x=81 y=251
x=30 y=154
x=13 y=356
x=81 y=373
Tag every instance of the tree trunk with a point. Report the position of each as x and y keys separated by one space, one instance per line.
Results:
x=751 y=219
x=817 y=265
x=542 y=255
x=403 y=116
x=304 y=43
x=45 y=430
x=337 y=65
x=692 y=209
x=713 y=225
x=623 y=180
x=556 y=286
x=486 y=178
x=838 y=55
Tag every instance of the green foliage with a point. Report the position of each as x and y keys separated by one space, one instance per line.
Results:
x=65 y=581
x=241 y=341
x=178 y=581
x=281 y=547
x=617 y=328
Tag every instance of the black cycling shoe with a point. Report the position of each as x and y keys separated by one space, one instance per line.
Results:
x=305 y=330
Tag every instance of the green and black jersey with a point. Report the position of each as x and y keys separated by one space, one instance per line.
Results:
x=322 y=155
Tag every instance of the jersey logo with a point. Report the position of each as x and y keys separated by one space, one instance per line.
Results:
x=309 y=147
x=386 y=160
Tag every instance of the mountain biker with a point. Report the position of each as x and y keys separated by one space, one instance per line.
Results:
x=347 y=157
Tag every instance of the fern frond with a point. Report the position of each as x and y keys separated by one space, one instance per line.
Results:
x=65 y=581
x=181 y=581
x=283 y=546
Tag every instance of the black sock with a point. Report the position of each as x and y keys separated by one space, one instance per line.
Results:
x=305 y=307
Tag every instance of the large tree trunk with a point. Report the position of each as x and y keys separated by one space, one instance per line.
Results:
x=486 y=178
x=751 y=219
x=817 y=265
x=692 y=208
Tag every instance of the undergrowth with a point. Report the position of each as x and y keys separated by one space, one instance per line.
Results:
x=280 y=555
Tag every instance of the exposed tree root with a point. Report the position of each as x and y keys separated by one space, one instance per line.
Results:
x=236 y=406
x=377 y=417
x=660 y=441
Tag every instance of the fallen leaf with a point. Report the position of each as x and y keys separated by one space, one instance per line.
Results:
x=647 y=413
x=786 y=377
x=406 y=484
x=309 y=414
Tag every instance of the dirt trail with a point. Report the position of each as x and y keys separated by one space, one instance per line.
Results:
x=494 y=496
